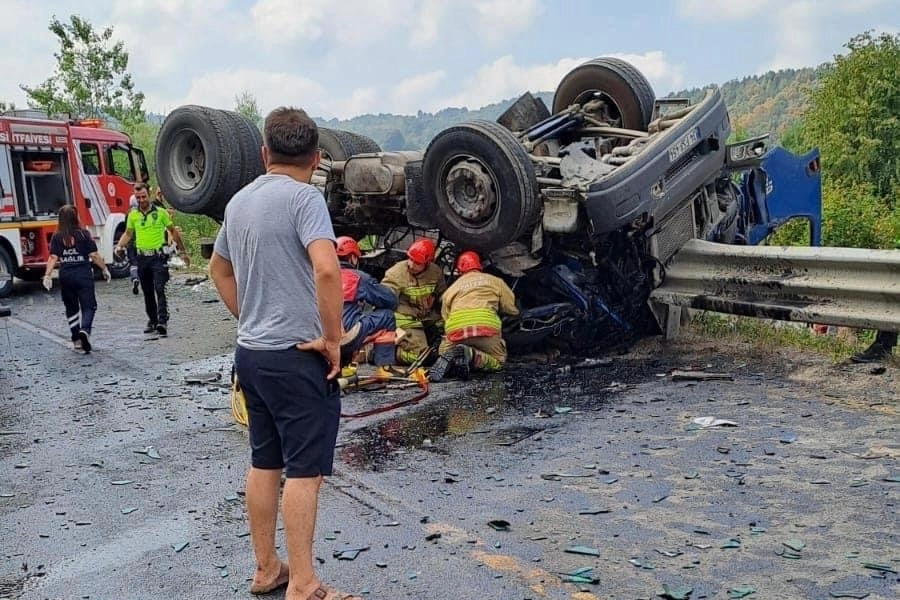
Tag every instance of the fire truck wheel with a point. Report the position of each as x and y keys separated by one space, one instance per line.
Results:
x=6 y=273
x=30 y=274
x=628 y=95
x=484 y=185
x=197 y=168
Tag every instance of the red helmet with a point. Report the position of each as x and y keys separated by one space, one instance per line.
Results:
x=347 y=246
x=421 y=251
x=468 y=261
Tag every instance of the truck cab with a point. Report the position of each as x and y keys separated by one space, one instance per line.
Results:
x=48 y=163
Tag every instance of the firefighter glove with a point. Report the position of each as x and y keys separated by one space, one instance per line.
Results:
x=48 y=282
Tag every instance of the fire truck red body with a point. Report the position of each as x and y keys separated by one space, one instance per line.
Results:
x=45 y=164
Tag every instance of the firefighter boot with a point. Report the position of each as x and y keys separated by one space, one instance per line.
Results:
x=456 y=360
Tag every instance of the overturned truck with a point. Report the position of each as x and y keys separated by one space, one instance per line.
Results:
x=579 y=207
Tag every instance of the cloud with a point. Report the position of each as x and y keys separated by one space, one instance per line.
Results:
x=14 y=70
x=499 y=19
x=406 y=96
x=796 y=26
x=426 y=27
x=503 y=78
x=348 y=22
x=271 y=89
x=711 y=11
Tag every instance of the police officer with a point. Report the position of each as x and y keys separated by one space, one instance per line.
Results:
x=471 y=309
x=417 y=283
x=74 y=249
x=148 y=225
x=131 y=251
x=361 y=290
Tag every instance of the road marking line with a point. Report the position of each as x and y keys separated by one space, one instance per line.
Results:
x=44 y=333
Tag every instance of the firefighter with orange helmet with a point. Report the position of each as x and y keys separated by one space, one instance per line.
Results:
x=471 y=310
x=417 y=283
x=361 y=290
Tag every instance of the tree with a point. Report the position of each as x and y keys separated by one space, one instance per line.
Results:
x=245 y=104
x=854 y=117
x=91 y=78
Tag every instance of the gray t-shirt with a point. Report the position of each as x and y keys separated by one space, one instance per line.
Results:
x=267 y=228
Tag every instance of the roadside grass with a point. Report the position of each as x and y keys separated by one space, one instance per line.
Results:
x=193 y=228
x=772 y=334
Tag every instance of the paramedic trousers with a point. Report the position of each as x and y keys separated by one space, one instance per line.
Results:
x=77 y=290
x=153 y=273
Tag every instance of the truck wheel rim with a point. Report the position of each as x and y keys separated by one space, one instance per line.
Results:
x=187 y=160
x=471 y=191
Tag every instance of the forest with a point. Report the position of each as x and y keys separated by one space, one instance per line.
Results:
x=849 y=108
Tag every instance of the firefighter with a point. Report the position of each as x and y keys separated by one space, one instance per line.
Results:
x=361 y=289
x=417 y=283
x=148 y=225
x=471 y=309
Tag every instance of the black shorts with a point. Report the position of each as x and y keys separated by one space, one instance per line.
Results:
x=292 y=409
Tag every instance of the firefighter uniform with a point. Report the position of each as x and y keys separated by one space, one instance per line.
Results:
x=361 y=290
x=471 y=309
x=416 y=299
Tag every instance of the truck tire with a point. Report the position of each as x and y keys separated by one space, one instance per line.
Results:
x=626 y=88
x=7 y=268
x=249 y=142
x=483 y=183
x=337 y=144
x=196 y=167
x=363 y=144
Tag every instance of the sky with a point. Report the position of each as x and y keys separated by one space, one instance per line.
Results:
x=342 y=58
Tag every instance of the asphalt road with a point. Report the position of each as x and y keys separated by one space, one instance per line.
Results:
x=120 y=480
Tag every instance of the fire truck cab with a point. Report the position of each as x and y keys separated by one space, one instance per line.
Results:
x=46 y=164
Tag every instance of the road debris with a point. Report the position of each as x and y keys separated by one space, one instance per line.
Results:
x=679 y=375
x=705 y=422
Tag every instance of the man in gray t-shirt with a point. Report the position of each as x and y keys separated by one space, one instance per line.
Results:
x=275 y=268
x=268 y=226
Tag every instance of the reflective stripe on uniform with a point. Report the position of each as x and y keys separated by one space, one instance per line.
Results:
x=472 y=318
x=417 y=292
x=407 y=322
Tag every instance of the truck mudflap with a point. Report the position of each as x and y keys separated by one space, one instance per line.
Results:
x=670 y=167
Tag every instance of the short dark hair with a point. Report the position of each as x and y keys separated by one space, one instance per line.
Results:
x=140 y=185
x=291 y=137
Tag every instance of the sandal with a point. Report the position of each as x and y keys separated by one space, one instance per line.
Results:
x=280 y=581
x=323 y=593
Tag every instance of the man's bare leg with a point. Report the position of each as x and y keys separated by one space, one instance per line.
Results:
x=262 y=512
x=299 y=506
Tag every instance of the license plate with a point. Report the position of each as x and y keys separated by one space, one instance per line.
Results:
x=682 y=146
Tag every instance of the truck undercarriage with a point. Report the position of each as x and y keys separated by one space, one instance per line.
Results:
x=579 y=208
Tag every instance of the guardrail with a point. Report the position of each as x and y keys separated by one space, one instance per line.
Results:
x=854 y=287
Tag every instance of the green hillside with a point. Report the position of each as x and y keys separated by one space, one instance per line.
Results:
x=758 y=104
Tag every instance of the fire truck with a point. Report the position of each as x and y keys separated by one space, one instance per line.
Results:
x=47 y=163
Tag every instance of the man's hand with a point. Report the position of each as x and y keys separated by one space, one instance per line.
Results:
x=330 y=350
x=107 y=277
x=48 y=283
x=184 y=256
x=119 y=251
